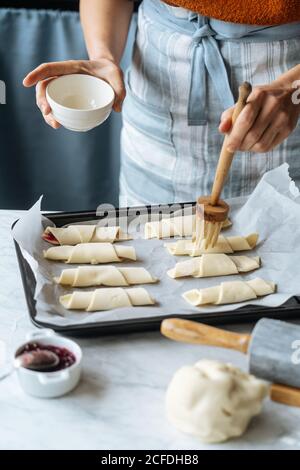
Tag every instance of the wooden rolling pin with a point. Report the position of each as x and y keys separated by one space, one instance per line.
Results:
x=269 y=347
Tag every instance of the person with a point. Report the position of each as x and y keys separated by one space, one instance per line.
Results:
x=189 y=58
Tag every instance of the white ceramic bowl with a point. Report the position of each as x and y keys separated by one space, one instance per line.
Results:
x=80 y=102
x=51 y=384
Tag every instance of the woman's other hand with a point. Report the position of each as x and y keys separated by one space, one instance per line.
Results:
x=269 y=117
x=104 y=68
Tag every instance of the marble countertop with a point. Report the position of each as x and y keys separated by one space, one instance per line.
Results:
x=119 y=403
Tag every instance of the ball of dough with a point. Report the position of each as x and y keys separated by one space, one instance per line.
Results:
x=213 y=401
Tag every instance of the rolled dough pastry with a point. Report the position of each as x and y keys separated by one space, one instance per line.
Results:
x=223 y=245
x=213 y=401
x=212 y=264
x=230 y=292
x=106 y=299
x=92 y=253
x=75 y=234
x=181 y=226
x=86 y=276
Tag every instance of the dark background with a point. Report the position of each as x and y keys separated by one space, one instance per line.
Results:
x=71 y=5
x=74 y=171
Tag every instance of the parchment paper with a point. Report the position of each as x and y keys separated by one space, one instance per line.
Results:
x=273 y=210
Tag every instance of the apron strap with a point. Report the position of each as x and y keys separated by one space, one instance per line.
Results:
x=206 y=56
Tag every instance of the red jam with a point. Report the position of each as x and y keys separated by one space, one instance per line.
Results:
x=66 y=357
x=50 y=238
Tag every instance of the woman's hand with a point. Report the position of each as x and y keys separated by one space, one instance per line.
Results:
x=103 y=68
x=267 y=120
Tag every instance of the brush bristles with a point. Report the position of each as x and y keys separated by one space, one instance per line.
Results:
x=199 y=232
x=214 y=229
x=208 y=231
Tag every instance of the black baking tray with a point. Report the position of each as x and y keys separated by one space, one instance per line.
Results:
x=291 y=309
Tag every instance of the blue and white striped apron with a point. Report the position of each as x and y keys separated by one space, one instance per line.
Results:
x=185 y=71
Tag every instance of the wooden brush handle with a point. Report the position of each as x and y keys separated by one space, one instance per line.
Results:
x=226 y=157
x=197 y=333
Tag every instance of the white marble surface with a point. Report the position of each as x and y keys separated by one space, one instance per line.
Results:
x=119 y=403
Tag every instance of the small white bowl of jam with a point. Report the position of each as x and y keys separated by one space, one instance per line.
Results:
x=48 y=365
x=80 y=102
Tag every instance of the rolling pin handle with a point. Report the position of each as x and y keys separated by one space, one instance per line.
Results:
x=285 y=395
x=196 y=333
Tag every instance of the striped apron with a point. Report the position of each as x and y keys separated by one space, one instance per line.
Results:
x=185 y=71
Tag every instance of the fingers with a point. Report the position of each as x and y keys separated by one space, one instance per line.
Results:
x=245 y=120
x=41 y=100
x=278 y=139
x=266 y=126
x=276 y=133
x=119 y=88
x=43 y=104
x=268 y=119
x=41 y=76
x=114 y=76
x=264 y=144
x=49 y=119
x=226 y=120
x=51 y=69
x=103 y=68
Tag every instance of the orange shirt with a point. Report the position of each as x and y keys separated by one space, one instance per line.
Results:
x=255 y=12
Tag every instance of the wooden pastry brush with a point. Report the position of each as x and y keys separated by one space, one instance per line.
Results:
x=211 y=211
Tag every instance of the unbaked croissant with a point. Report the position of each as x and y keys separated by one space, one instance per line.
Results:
x=181 y=226
x=209 y=265
x=230 y=292
x=74 y=234
x=87 y=276
x=92 y=253
x=223 y=245
x=106 y=299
